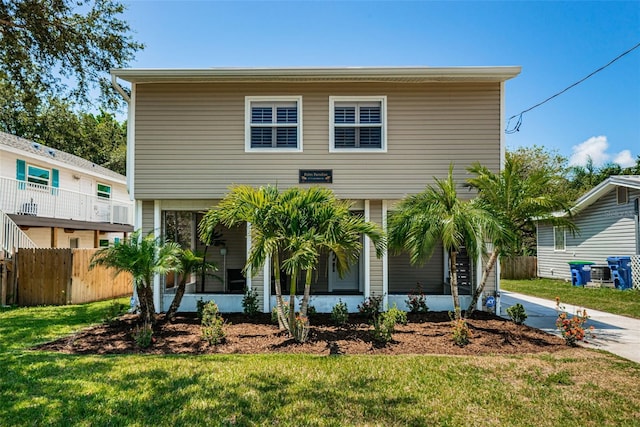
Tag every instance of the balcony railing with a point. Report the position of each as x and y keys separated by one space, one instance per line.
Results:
x=25 y=198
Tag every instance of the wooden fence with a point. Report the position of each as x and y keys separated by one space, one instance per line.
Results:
x=517 y=268
x=62 y=276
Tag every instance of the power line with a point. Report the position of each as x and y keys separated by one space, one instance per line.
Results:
x=516 y=128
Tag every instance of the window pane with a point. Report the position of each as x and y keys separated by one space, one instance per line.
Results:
x=287 y=114
x=370 y=137
x=104 y=191
x=261 y=115
x=345 y=114
x=38 y=175
x=345 y=137
x=370 y=115
x=261 y=137
x=286 y=137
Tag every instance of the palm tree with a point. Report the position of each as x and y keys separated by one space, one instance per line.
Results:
x=189 y=263
x=517 y=197
x=438 y=215
x=143 y=258
x=294 y=228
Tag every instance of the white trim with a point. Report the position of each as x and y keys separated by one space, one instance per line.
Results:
x=385 y=261
x=137 y=224
x=382 y=99
x=503 y=148
x=479 y=269
x=157 y=224
x=248 y=251
x=247 y=123
x=266 y=283
x=26 y=176
x=131 y=143
x=367 y=253
x=98 y=183
x=497 y=278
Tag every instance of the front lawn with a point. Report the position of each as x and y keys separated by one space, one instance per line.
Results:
x=626 y=303
x=572 y=387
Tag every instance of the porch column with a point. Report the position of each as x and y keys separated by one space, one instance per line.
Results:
x=367 y=254
x=157 y=217
x=267 y=285
x=385 y=261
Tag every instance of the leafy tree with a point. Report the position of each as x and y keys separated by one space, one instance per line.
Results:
x=189 y=263
x=584 y=178
x=142 y=257
x=293 y=228
x=516 y=197
x=437 y=215
x=44 y=42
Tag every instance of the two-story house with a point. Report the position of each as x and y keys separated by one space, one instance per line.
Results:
x=53 y=199
x=372 y=135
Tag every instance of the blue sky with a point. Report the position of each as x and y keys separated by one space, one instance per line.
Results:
x=556 y=43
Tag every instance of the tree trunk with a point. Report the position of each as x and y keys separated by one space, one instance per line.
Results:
x=147 y=309
x=307 y=293
x=292 y=300
x=454 y=283
x=485 y=275
x=282 y=321
x=177 y=299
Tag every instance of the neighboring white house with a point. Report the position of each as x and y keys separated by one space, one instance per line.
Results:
x=57 y=199
x=372 y=135
x=607 y=217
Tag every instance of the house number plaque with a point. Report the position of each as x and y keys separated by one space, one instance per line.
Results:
x=315 y=176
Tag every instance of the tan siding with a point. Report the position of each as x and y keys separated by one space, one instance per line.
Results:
x=375 y=270
x=147 y=217
x=190 y=138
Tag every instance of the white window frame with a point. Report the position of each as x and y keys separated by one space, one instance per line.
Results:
x=356 y=99
x=556 y=229
x=98 y=192
x=248 y=101
x=37 y=184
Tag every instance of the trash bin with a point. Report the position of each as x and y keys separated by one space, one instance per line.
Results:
x=620 y=271
x=580 y=272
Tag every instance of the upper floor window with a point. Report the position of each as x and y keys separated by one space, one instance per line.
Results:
x=104 y=191
x=357 y=123
x=273 y=123
x=559 y=239
x=38 y=175
x=622 y=195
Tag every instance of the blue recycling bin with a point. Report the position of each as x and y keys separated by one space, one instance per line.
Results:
x=580 y=272
x=620 y=271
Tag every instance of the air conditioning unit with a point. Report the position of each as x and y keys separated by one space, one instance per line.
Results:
x=121 y=214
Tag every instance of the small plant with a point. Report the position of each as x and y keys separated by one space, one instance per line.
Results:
x=300 y=328
x=385 y=324
x=250 y=302
x=200 y=307
x=417 y=300
x=517 y=314
x=370 y=307
x=311 y=311
x=143 y=335
x=212 y=323
x=572 y=328
x=113 y=311
x=340 y=313
x=274 y=313
x=460 y=333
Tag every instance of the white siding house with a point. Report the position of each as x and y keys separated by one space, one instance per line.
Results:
x=59 y=200
x=607 y=218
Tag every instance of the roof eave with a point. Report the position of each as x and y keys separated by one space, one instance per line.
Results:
x=351 y=74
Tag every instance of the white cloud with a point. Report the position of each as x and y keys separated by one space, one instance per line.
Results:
x=624 y=159
x=594 y=147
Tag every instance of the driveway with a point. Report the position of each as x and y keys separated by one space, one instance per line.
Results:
x=616 y=334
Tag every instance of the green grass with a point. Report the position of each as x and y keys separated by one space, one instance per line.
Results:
x=626 y=303
x=576 y=387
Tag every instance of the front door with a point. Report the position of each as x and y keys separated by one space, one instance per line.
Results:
x=349 y=282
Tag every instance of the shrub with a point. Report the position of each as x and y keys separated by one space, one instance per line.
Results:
x=212 y=324
x=417 y=300
x=385 y=324
x=274 y=312
x=300 y=328
x=250 y=302
x=572 y=328
x=143 y=335
x=340 y=313
x=200 y=307
x=370 y=306
x=517 y=313
x=311 y=311
x=113 y=311
x=461 y=334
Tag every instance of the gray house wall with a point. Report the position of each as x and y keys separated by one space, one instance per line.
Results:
x=606 y=229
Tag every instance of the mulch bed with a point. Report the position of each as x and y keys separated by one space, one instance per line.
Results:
x=428 y=333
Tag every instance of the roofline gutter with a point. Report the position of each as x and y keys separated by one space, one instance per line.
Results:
x=119 y=89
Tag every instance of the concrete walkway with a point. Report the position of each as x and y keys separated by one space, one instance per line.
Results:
x=617 y=334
